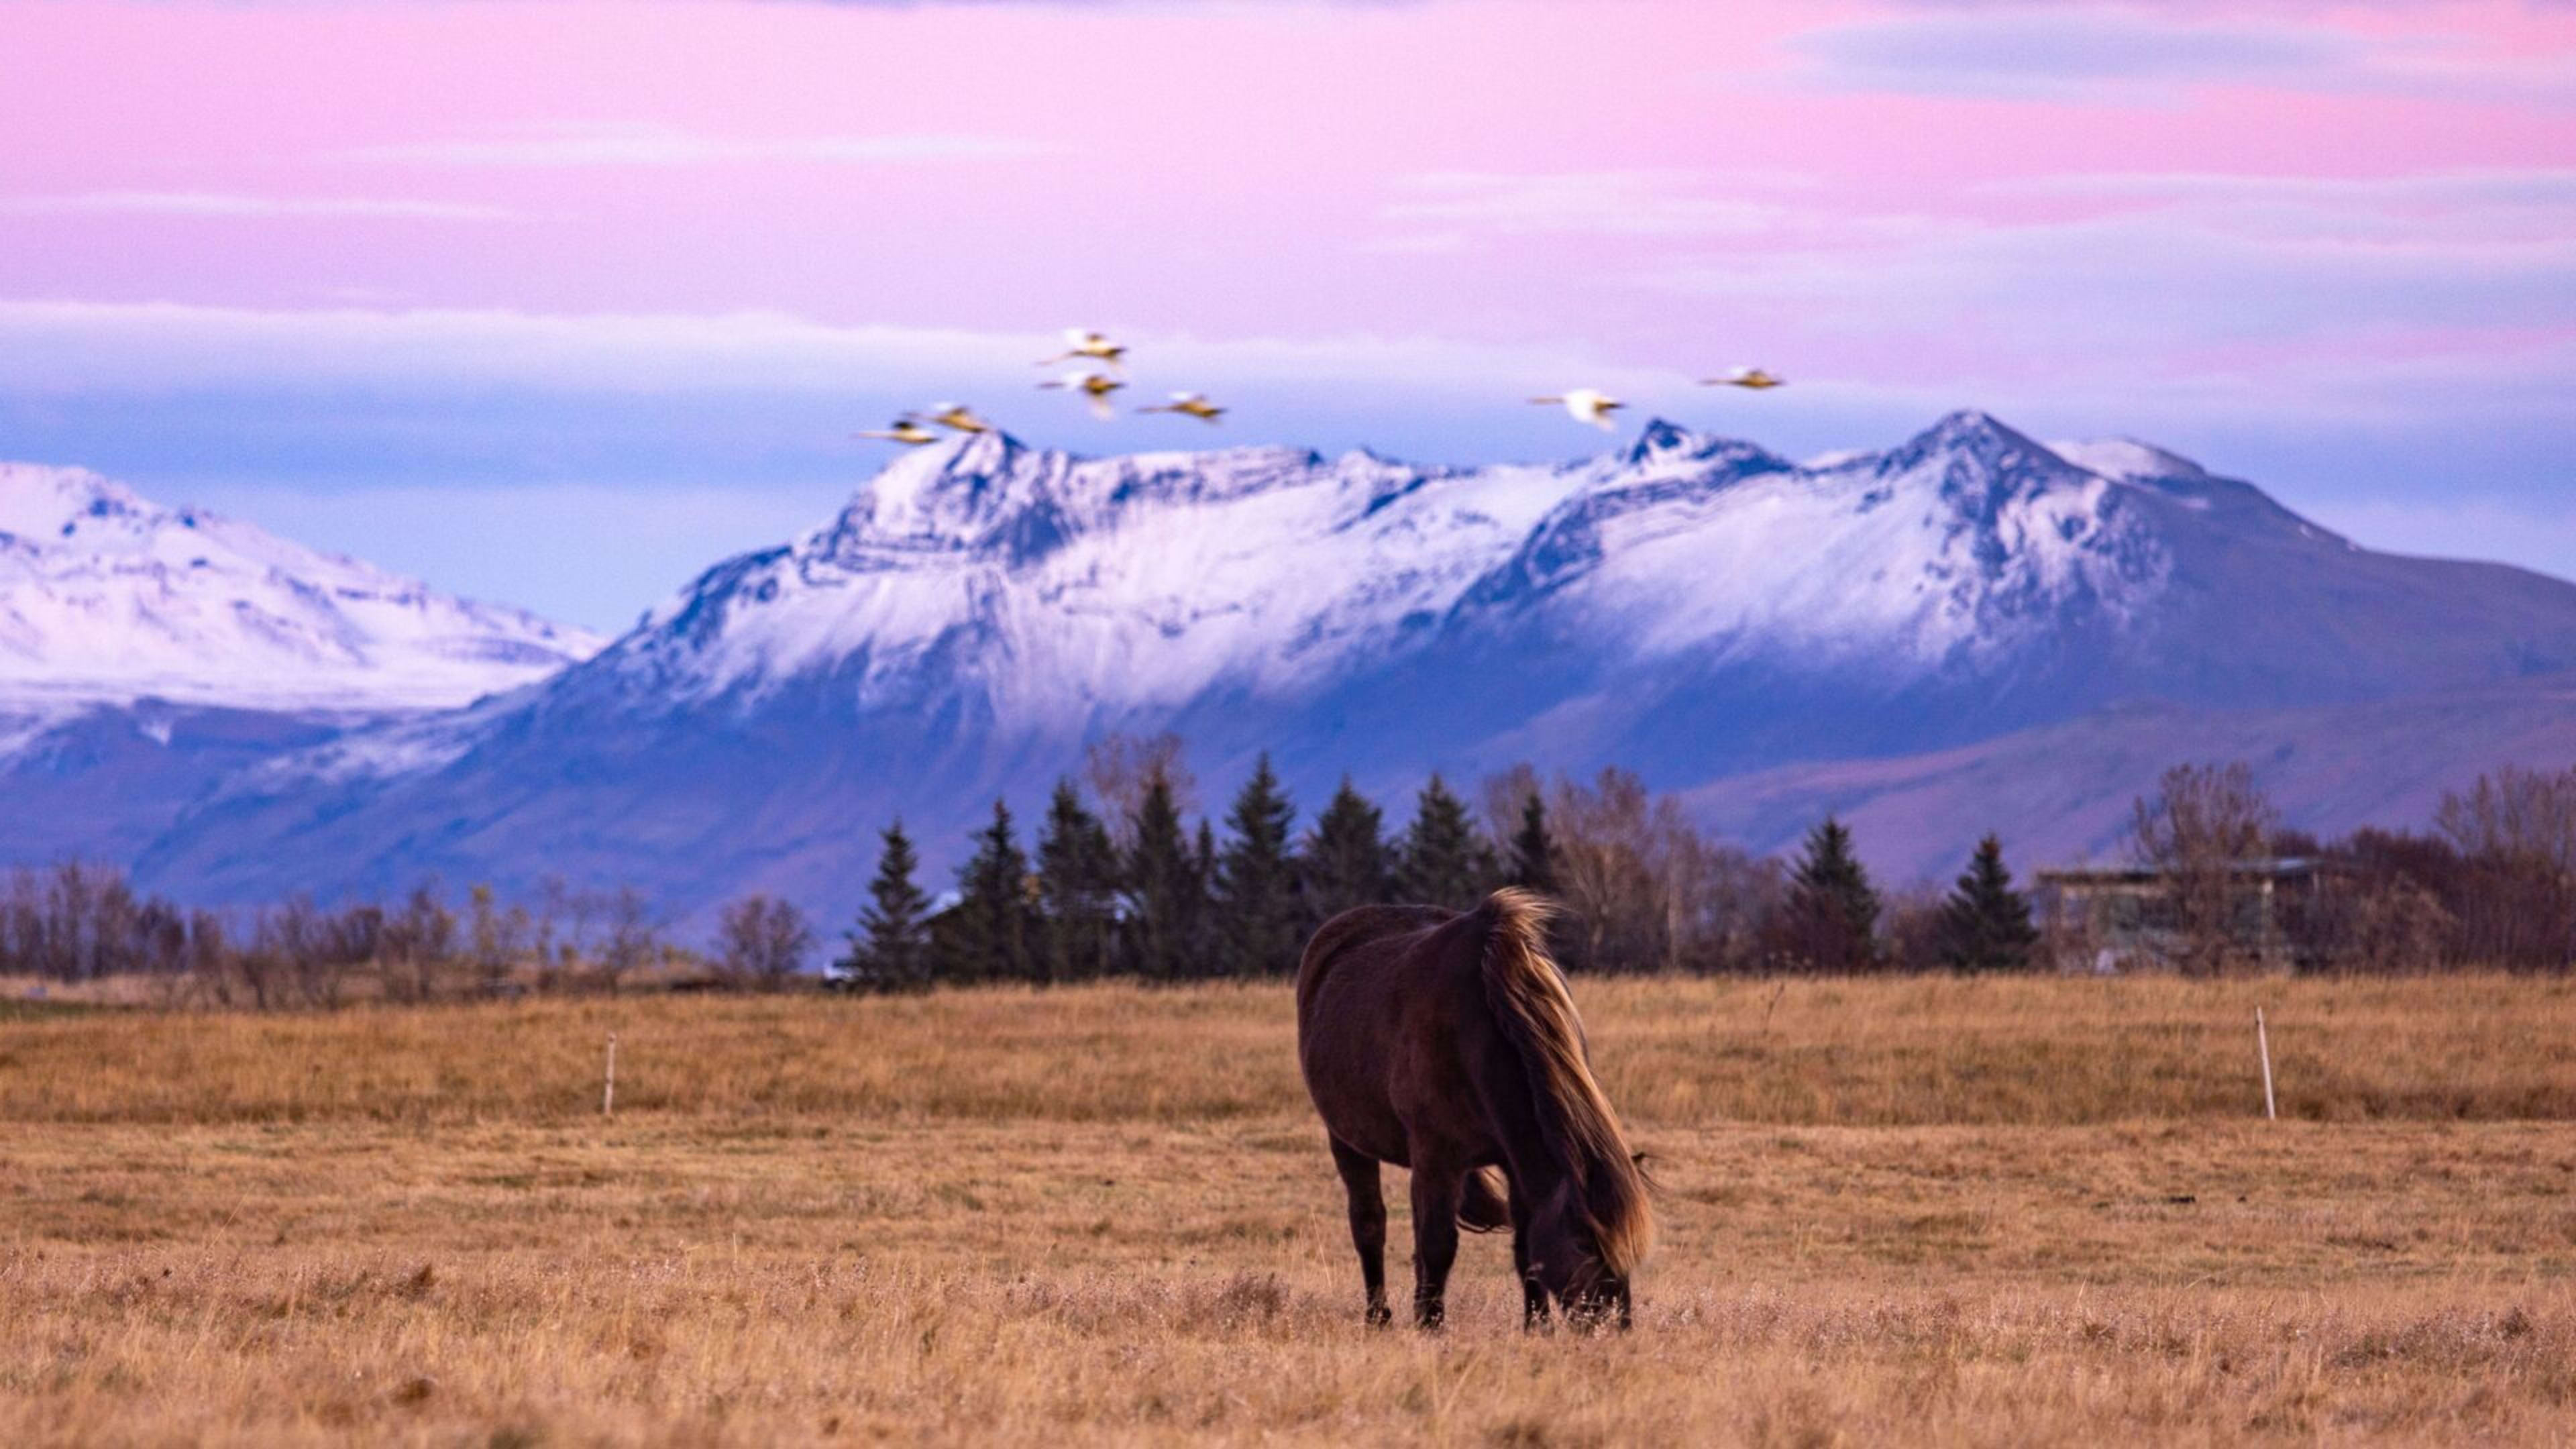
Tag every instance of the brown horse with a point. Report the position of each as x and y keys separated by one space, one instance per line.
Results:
x=1447 y=1043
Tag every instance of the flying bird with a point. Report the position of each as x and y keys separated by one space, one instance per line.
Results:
x=1083 y=342
x=1752 y=377
x=1193 y=404
x=1587 y=405
x=906 y=430
x=952 y=415
x=1096 y=386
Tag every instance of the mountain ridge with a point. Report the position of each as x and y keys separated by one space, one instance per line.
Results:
x=1691 y=606
x=109 y=598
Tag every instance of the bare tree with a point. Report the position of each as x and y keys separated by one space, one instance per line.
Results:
x=2515 y=831
x=763 y=941
x=1120 y=768
x=2207 y=829
x=419 y=945
x=633 y=937
x=1645 y=890
x=2514 y=814
x=497 y=940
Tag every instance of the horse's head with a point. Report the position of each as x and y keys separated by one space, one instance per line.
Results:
x=1566 y=1258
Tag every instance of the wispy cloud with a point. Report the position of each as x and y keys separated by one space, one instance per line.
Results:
x=2133 y=56
x=2108 y=294
x=2423 y=210
x=623 y=144
x=2476 y=186
x=82 y=347
x=1447 y=206
x=222 y=205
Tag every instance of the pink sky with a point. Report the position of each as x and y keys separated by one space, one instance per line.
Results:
x=2233 y=227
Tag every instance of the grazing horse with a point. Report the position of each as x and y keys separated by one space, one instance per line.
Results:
x=1446 y=1043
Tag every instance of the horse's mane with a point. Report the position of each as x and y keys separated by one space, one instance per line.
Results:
x=1527 y=994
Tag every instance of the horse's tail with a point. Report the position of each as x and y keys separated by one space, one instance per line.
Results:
x=1527 y=995
x=1482 y=1206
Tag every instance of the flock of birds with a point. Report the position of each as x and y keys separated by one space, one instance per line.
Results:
x=1099 y=375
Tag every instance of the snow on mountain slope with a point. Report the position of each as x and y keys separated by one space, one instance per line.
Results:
x=1058 y=585
x=1959 y=544
x=106 y=598
x=1059 y=590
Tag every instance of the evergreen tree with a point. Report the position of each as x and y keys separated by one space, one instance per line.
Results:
x=988 y=935
x=1255 y=888
x=1346 y=858
x=1985 y=924
x=1077 y=890
x=1533 y=863
x=1199 y=922
x=1163 y=885
x=1442 y=862
x=890 y=950
x=1830 y=920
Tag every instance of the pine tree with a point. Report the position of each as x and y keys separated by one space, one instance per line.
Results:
x=988 y=929
x=1830 y=920
x=1346 y=858
x=1077 y=890
x=1985 y=924
x=1533 y=863
x=1255 y=888
x=890 y=950
x=1442 y=862
x=1198 y=931
x=1163 y=886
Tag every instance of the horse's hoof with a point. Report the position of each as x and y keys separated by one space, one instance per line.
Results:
x=1379 y=1316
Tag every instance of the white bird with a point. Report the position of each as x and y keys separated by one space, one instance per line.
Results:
x=1083 y=342
x=1190 y=403
x=1752 y=377
x=1587 y=405
x=1096 y=386
x=906 y=430
x=953 y=415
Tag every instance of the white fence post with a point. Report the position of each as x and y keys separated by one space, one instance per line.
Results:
x=608 y=1092
x=2263 y=1045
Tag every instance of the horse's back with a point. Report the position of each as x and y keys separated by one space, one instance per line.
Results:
x=1372 y=1018
x=1353 y=930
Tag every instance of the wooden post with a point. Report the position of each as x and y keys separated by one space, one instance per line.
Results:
x=608 y=1093
x=2263 y=1045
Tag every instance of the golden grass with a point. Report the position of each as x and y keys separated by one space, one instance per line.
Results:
x=1872 y=1052
x=1901 y=1212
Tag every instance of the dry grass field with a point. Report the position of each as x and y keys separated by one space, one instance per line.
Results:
x=1909 y=1211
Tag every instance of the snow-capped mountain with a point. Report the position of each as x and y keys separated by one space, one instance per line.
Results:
x=1694 y=607
x=107 y=598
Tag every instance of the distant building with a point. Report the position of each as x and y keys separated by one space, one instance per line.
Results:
x=2131 y=918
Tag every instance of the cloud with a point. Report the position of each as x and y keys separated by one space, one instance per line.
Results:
x=2122 y=291
x=626 y=144
x=2479 y=186
x=2424 y=210
x=2130 y=56
x=221 y=206
x=1618 y=203
x=63 y=349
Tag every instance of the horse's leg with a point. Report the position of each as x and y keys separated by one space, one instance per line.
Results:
x=1533 y=1297
x=1435 y=1236
x=1368 y=1226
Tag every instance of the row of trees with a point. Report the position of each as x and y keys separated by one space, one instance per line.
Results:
x=1117 y=881
x=1118 y=884
x=75 y=922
